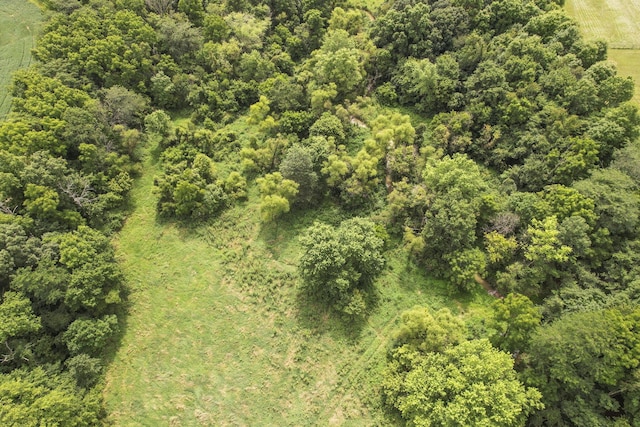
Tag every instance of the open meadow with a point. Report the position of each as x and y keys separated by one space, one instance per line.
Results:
x=19 y=24
x=217 y=333
x=617 y=22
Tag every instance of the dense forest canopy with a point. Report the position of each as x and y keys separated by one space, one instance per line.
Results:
x=486 y=137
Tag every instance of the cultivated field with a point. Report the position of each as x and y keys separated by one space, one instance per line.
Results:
x=217 y=333
x=617 y=22
x=19 y=24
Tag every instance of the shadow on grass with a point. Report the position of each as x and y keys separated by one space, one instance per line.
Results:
x=114 y=345
x=281 y=236
x=321 y=319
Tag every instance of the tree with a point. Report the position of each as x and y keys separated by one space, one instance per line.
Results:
x=297 y=165
x=18 y=316
x=470 y=384
x=338 y=265
x=515 y=319
x=426 y=331
x=178 y=37
x=123 y=106
x=615 y=198
x=193 y=9
x=276 y=193
x=586 y=366
x=90 y=336
x=36 y=398
x=339 y=62
x=159 y=6
x=459 y=201
x=158 y=124
x=544 y=267
x=19 y=321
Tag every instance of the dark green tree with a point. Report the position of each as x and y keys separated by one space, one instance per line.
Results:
x=585 y=365
x=339 y=265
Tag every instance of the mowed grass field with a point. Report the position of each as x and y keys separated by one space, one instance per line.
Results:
x=218 y=335
x=20 y=21
x=617 y=22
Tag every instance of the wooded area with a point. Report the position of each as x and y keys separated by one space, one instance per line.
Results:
x=483 y=139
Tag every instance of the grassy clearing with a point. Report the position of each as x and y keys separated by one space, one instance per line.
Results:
x=218 y=335
x=20 y=21
x=617 y=22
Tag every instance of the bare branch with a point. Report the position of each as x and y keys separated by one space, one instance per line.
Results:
x=5 y=358
x=6 y=208
x=78 y=190
x=159 y=6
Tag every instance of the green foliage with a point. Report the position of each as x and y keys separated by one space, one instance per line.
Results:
x=190 y=186
x=158 y=124
x=35 y=398
x=84 y=369
x=90 y=336
x=471 y=383
x=339 y=63
x=492 y=169
x=18 y=316
x=297 y=165
x=276 y=193
x=104 y=46
x=329 y=126
x=585 y=366
x=424 y=331
x=515 y=319
x=339 y=265
x=460 y=199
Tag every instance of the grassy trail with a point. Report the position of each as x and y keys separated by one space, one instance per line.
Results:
x=20 y=21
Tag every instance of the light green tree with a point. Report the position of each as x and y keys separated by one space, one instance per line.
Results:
x=470 y=384
x=515 y=319
x=426 y=331
x=276 y=194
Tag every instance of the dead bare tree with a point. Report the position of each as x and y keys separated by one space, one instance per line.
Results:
x=11 y=355
x=79 y=191
x=160 y=7
x=5 y=207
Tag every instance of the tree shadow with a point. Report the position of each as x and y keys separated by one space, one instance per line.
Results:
x=115 y=343
x=282 y=235
x=321 y=319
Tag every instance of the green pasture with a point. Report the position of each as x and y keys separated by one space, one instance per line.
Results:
x=217 y=333
x=20 y=21
x=617 y=22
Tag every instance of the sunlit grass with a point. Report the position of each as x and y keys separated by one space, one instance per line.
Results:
x=20 y=21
